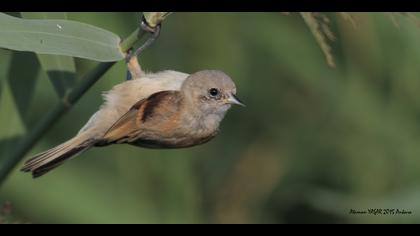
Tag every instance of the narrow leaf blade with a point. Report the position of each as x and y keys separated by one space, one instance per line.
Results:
x=60 y=69
x=59 y=37
x=22 y=78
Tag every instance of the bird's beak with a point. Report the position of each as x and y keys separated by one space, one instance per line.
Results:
x=233 y=99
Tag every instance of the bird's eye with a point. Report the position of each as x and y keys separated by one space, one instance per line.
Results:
x=214 y=92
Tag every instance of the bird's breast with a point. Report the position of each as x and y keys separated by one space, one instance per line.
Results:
x=173 y=142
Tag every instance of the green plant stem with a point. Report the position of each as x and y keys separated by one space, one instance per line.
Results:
x=7 y=164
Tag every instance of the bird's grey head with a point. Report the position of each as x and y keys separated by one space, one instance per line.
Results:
x=212 y=91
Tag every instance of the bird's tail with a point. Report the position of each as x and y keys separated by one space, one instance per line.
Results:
x=43 y=162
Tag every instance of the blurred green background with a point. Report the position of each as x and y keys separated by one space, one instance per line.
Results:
x=313 y=142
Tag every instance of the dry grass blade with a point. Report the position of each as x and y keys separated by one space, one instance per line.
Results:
x=327 y=31
x=412 y=17
x=320 y=35
x=349 y=17
x=393 y=17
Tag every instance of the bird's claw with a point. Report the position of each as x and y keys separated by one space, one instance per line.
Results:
x=155 y=31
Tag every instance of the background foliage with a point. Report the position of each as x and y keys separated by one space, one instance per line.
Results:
x=312 y=143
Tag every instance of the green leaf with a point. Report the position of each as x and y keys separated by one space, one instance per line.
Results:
x=5 y=56
x=60 y=69
x=44 y=15
x=22 y=77
x=59 y=37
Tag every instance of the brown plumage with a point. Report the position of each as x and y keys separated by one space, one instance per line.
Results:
x=157 y=116
x=163 y=110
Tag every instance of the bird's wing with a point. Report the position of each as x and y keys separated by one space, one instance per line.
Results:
x=140 y=113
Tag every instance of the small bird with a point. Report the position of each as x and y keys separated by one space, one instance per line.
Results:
x=167 y=109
